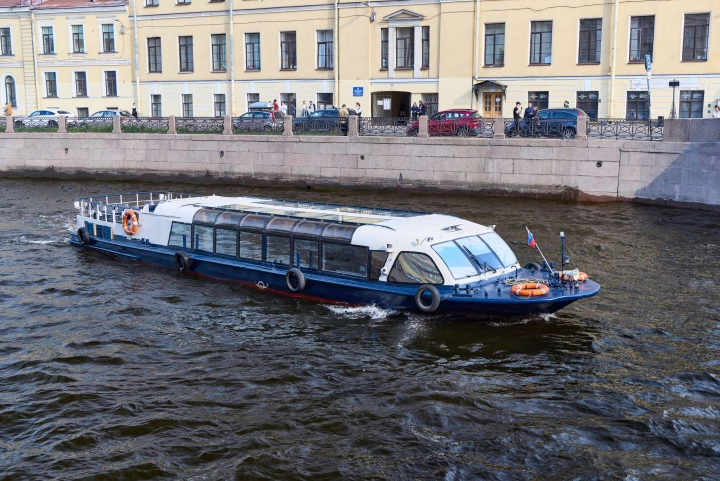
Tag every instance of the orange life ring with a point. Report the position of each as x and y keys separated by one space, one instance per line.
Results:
x=580 y=277
x=530 y=289
x=130 y=223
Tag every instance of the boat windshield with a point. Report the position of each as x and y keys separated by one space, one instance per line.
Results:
x=501 y=249
x=475 y=247
x=487 y=248
x=458 y=263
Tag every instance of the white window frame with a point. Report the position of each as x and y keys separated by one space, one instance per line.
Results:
x=150 y=104
x=117 y=82
x=317 y=47
x=74 y=84
x=12 y=42
x=44 y=83
x=44 y=24
x=106 y=21
x=210 y=43
x=73 y=22
x=682 y=35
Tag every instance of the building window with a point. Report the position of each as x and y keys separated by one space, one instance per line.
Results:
x=252 y=98
x=695 y=36
x=541 y=43
x=383 y=48
x=154 y=54
x=588 y=103
x=111 y=83
x=152 y=3
x=83 y=112
x=219 y=62
x=186 y=54
x=431 y=103
x=404 y=46
x=5 y=41
x=252 y=51
x=156 y=105
x=187 y=105
x=78 y=39
x=642 y=31
x=80 y=84
x=325 y=49
x=108 y=32
x=48 y=40
x=219 y=105
x=324 y=101
x=638 y=105
x=691 y=104
x=10 y=96
x=50 y=84
x=184 y=2
x=539 y=99
x=425 y=47
x=494 y=44
x=288 y=56
x=590 y=40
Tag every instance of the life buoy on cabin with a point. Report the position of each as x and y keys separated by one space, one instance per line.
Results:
x=130 y=223
x=295 y=280
x=581 y=276
x=529 y=289
x=183 y=262
x=83 y=235
x=434 y=298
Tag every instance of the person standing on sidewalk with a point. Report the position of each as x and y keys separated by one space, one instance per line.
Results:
x=8 y=109
x=716 y=112
x=343 y=115
x=566 y=105
x=422 y=108
x=134 y=111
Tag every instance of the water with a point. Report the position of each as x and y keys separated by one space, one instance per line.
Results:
x=116 y=370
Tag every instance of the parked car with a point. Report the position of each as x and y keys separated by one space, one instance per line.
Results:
x=111 y=113
x=42 y=118
x=259 y=120
x=320 y=120
x=548 y=123
x=101 y=117
x=461 y=122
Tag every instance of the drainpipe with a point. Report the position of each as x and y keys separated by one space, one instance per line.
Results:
x=612 y=65
x=476 y=49
x=35 y=65
x=232 y=62
x=336 y=55
x=137 y=59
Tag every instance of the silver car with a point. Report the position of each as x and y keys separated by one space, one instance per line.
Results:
x=42 y=118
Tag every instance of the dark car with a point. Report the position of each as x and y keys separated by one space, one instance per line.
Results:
x=259 y=120
x=320 y=121
x=548 y=123
x=460 y=122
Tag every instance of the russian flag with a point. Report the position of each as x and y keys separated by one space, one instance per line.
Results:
x=531 y=241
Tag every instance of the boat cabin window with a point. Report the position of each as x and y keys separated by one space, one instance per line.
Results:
x=255 y=221
x=454 y=258
x=415 y=268
x=475 y=247
x=202 y=238
x=278 y=250
x=230 y=219
x=226 y=242
x=501 y=249
x=345 y=259
x=339 y=232
x=251 y=246
x=310 y=228
x=180 y=235
x=206 y=216
x=307 y=253
x=377 y=262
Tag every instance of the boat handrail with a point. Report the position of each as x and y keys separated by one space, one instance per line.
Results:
x=86 y=205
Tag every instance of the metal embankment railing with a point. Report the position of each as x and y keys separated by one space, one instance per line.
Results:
x=385 y=126
x=260 y=126
x=199 y=125
x=3 y=124
x=614 y=129
x=35 y=124
x=319 y=126
x=90 y=124
x=146 y=125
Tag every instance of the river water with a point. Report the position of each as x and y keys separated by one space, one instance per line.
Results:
x=115 y=370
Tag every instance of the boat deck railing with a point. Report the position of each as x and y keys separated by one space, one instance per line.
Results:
x=109 y=207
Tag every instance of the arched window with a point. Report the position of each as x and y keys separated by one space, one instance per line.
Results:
x=10 y=96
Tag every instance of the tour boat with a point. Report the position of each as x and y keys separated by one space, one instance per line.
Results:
x=352 y=255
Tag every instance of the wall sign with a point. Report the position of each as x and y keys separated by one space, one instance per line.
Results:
x=357 y=91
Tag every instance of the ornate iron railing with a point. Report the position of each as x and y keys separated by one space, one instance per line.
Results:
x=146 y=125
x=257 y=126
x=486 y=128
x=35 y=124
x=90 y=124
x=3 y=123
x=319 y=126
x=560 y=128
x=387 y=126
x=622 y=129
x=199 y=125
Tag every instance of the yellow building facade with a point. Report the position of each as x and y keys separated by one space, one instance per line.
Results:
x=209 y=58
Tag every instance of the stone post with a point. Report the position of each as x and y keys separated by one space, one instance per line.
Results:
x=62 y=124
x=227 y=125
x=287 y=126
x=499 y=128
x=423 y=126
x=10 y=126
x=117 y=124
x=353 y=126
x=171 y=125
x=581 y=133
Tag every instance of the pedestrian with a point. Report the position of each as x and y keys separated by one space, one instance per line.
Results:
x=414 y=111
x=343 y=115
x=358 y=110
x=529 y=117
x=311 y=108
x=290 y=107
x=275 y=105
x=305 y=109
x=716 y=112
x=283 y=108
x=566 y=105
x=8 y=109
x=517 y=111
x=134 y=111
x=422 y=108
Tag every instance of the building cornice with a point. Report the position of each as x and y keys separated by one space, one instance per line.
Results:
x=11 y=65
x=83 y=11
x=84 y=63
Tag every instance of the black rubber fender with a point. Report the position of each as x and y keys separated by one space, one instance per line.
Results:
x=83 y=235
x=183 y=262
x=434 y=304
x=533 y=266
x=295 y=280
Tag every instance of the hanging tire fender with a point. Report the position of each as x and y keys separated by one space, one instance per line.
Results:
x=434 y=294
x=183 y=262
x=532 y=266
x=83 y=236
x=295 y=280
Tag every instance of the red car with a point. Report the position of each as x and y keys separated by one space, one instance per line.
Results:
x=461 y=122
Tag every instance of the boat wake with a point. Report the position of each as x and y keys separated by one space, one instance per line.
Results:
x=359 y=312
x=54 y=240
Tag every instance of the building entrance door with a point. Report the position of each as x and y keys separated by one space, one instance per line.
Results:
x=492 y=105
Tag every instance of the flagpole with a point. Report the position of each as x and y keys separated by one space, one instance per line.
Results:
x=538 y=248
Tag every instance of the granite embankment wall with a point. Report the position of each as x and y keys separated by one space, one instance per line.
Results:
x=604 y=170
